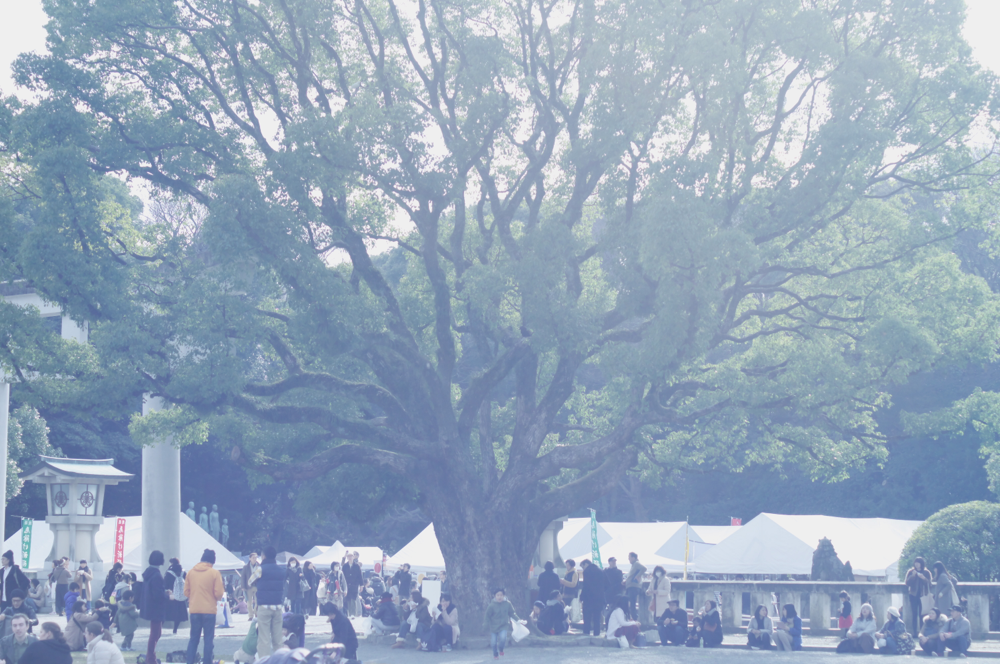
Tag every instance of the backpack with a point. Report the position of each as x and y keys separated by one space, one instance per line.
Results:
x=178 y=588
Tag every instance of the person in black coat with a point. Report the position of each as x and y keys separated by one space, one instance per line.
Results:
x=110 y=581
x=176 y=610
x=592 y=597
x=153 y=605
x=547 y=582
x=11 y=579
x=343 y=630
x=50 y=648
x=310 y=603
x=403 y=580
x=553 y=618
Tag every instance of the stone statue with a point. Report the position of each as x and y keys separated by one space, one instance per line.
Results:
x=203 y=519
x=826 y=564
x=190 y=511
x=225 y=532
x=213 y=522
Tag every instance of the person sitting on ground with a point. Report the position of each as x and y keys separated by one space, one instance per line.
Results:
x=861 y=634
x=673 y=624
x=547 y=582
x=497 y=619
x=127 y=619
x=418 y=620
x=18 y=605
x=50 y=648
x=341 y=629
x=620 y=627
x=845 y=617
x=79 y=618
x=711 y=625
x=293 y=627
x=386 y=616
x=444 y=631
x=934 y=624
x=888 y=638
x=759 y=629
x=247 y=654
x=38 y=593
x=534 y=617
x=788 y=632
x=553 y=619
x=70 y=598
x=694 y=635
x=13 y=645
x=957 y=634
x=100 y=647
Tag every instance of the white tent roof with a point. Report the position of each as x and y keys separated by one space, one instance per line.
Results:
x=699 y=538
x=575 y=539
x=330 y=554
x=315 y=551
x=645 y=540
x=784 y=544
x=194 y=541
x=422 y=553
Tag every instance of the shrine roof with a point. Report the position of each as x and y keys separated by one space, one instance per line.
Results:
x=85 y=468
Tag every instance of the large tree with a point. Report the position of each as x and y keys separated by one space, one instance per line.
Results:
x=504 y=249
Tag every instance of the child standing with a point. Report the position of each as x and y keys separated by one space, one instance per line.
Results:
x=845 y=618
x=103 y=613
x=497 y=621
x=69 y=599
x=127 y=619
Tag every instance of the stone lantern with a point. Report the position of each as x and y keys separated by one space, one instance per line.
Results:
x=74 y=493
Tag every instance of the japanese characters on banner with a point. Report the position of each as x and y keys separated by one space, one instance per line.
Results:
x=26 y=525
x=120 y=541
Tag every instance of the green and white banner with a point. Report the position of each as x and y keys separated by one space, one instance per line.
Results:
x=595 y=546
x=25 y=542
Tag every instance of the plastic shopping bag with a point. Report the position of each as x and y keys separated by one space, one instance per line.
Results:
x=518 y=631
x=220 y=612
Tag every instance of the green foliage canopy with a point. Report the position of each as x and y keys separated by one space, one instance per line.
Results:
x=964 y=537
x=505 y=249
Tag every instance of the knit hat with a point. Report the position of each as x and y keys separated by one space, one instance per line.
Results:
x=893 y=611
x=540 y=605
x=9 y=555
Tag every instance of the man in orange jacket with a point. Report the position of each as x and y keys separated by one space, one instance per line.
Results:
x=203 y=588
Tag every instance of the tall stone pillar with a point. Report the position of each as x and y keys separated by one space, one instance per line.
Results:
x=819 y=612
x=161 y=493
x=4 y=432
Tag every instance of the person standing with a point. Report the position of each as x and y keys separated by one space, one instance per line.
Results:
x=614 y=586
x=270 y=604
x=571 y=590
x=918 y=584
x=293 y=576
x=547 y=582
x=248 y=579
x=633 y=584
x=352 y=574
x=11 y=579
x=944 y=588
x=659 y=593
x=592 y=597
x=110 y=581
x=173 y=581
x=61 y=578
x=84 y=576
x=310 y=602
x=403 y=580
x=203 y=588
x=153 y=606
x=13 y=645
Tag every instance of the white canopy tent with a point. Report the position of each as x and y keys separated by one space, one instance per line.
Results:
x=575 y=539
x=315 y=551
x=194 y=541
x=368 y=556
x=643 y=539
x=697 y=540
x=422 y=553
x=783 y=544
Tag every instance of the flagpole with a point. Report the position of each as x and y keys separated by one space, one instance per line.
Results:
x=687 y=546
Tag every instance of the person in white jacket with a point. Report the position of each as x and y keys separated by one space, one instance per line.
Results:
x=620 y=628
x=100 y=648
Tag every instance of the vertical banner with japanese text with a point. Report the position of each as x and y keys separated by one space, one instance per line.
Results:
x=26 y=525
x=120 y=541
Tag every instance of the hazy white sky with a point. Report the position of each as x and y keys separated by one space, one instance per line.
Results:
x=22 y=30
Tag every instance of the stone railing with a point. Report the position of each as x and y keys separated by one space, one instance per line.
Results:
x=818 y=600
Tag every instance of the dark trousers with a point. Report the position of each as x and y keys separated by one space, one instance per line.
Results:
x=592 y=617
x=155 y=629
x=61 y=590
x=674 y=634
x=763 y=641
x=915 y=608
x=201 y=622
x=633 y=601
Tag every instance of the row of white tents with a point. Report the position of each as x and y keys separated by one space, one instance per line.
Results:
x=770 y=544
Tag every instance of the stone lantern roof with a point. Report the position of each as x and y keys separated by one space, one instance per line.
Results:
x=54 y=468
